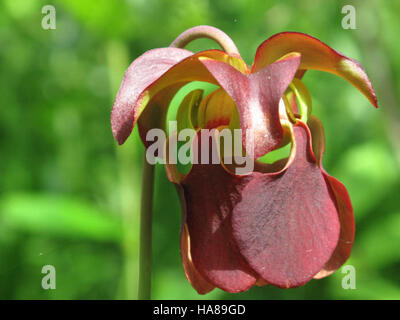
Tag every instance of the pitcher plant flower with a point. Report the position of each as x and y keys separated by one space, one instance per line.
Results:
x=281 y=224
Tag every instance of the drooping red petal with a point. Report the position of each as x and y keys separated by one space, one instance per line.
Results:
x=257 y=98
x=314 y=55
x=345 y=209
x=347 y=228
x=151 y=84
x=286 y=224
x=198 y=282
x=210 y=193
x=141 y=73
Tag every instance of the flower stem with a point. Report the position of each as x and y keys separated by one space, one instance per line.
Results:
x=146 y=217
x=146 y=209
x=212 y=33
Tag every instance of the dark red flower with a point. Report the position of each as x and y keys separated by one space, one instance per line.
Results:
x=283 y=223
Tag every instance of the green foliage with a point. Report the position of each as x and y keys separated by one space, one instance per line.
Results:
x=70 y=198
x=59 y=217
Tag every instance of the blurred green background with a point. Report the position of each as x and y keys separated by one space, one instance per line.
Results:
x=69 y=197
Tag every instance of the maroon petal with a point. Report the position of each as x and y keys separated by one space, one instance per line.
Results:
x=347 y=228
x=286 y=224
x=345 y=209
x=257 y=98
x=198 y=282
x=210 y=193
x=314 y=55
x=141 y=73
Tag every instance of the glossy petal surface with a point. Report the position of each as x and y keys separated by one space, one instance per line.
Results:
x=286 y=225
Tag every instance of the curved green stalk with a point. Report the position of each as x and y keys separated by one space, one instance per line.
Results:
x=146 y=219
